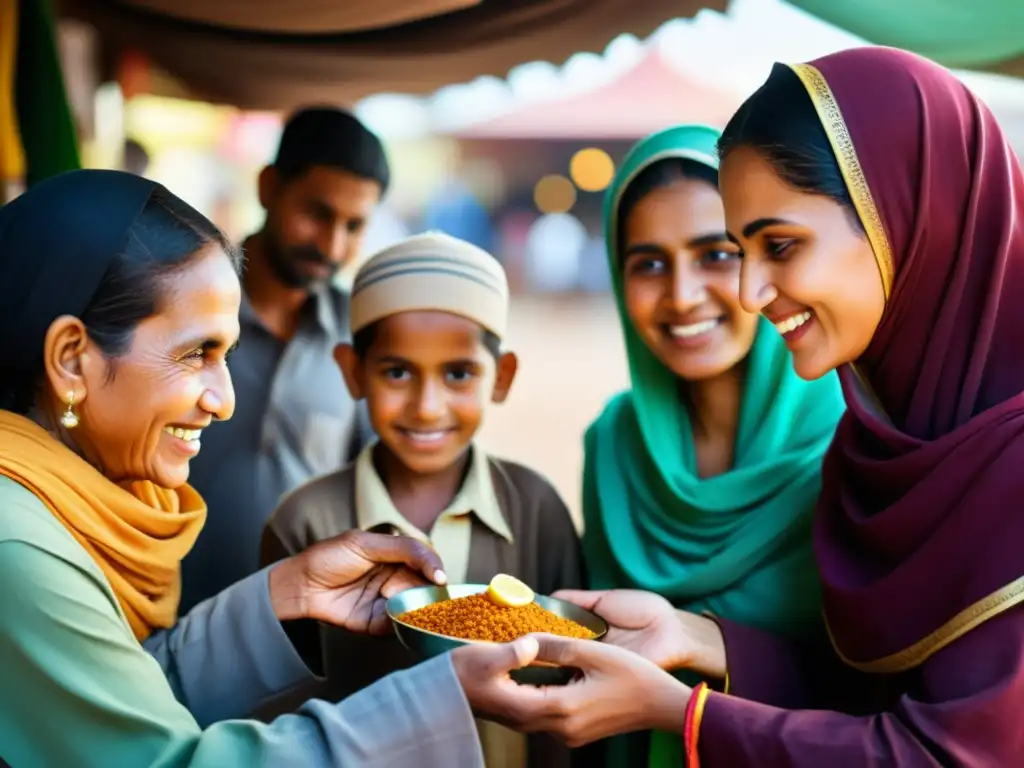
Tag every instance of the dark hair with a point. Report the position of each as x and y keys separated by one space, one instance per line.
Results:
x=332 y=137
x=164 y=239
x=780 y=123
x=363 y=339
x=658 y=175
x=136 y=158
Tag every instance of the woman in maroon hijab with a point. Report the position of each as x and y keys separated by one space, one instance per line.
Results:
x=881 y=215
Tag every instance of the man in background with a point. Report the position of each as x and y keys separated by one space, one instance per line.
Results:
x=293 y=419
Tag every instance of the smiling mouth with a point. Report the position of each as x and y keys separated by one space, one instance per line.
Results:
x=792 y=322
x=693 y=329
x=188 y=435
x=426 y=436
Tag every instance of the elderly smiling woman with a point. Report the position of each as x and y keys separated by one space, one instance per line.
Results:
x=119 y=304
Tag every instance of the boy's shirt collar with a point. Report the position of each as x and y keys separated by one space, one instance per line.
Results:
x=476 y=496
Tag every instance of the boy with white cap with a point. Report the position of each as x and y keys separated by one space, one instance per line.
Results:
x=428 y=317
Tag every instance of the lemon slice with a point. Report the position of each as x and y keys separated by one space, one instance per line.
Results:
x=509 y=591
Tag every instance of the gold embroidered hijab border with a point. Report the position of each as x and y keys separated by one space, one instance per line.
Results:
x=831 y=118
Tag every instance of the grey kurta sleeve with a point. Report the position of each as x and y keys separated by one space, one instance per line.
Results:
x=229 y=654
x=88 y=695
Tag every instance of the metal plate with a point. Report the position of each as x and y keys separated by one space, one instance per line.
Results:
x=429 y=644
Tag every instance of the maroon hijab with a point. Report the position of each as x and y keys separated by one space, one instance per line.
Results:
x=920 y=530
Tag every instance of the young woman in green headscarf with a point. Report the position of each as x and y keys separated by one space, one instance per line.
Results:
x=700 y=480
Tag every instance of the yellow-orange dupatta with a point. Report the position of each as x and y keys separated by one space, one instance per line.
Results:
x=137 y=533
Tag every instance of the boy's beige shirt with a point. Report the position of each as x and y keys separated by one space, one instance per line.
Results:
x=451 y=533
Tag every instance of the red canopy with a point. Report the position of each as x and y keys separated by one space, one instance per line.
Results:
x=651 y=95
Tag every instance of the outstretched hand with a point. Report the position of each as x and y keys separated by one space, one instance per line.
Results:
x=346 y=580
x=647 y=624
x=616 y=692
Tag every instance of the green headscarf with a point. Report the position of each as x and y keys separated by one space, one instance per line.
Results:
x=737 y=544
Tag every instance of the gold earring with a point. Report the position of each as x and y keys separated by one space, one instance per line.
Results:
x=70 y=419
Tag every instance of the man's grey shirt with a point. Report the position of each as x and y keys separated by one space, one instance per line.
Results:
x=294 y=420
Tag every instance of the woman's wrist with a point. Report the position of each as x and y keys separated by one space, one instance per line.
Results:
x=707 y=646
x=667 y=707
x=288 y=589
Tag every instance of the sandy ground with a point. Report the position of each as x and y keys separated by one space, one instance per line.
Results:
x=570 y=362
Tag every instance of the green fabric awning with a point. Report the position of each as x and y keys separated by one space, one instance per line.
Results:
x=38 y=137
x=985 y=35
x=45 y=123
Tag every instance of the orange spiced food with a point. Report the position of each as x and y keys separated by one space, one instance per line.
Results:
x=477 y=617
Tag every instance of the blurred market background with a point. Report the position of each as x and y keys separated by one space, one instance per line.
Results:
x=504 y=123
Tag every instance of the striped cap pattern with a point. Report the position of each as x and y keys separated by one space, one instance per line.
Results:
x=432 y=271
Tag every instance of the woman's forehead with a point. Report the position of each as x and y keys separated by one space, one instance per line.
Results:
x=202 y=299
x=750 y=187
x=210 y=279
x=680 y=205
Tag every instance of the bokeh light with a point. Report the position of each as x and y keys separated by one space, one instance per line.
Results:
x=592 y=169
x=554 y=246
x=554 y=194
